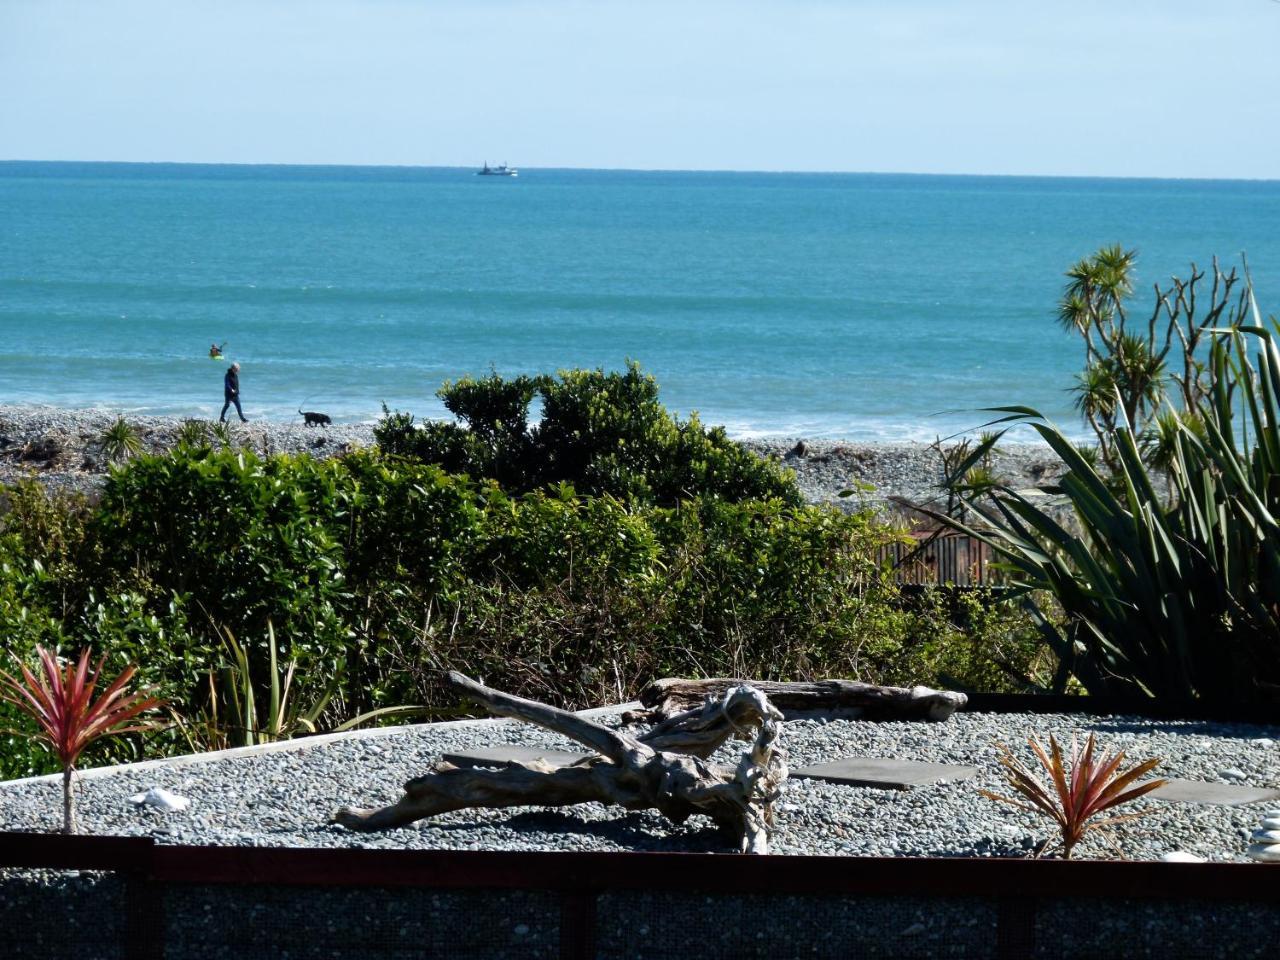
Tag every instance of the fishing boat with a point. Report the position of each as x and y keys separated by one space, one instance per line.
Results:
x=501 y=170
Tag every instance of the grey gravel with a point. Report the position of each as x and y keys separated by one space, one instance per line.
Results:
x=285 y=798
x=878 y=474
x=62 y=448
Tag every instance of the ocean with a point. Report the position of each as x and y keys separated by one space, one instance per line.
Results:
x=857 y=306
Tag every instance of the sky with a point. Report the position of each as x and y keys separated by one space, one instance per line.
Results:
x=1157 y=88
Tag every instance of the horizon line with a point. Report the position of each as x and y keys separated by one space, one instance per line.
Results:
x=706 y=170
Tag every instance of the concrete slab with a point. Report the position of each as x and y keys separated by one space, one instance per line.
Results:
x=503 y=755
x=1203 y=791
x=884 y=773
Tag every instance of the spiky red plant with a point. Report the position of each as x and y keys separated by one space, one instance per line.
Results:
x=1082 y=788
x=67 y=716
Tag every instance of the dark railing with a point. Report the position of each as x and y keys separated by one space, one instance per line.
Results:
x=1011 y=890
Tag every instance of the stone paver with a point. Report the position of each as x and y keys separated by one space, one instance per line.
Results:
x=884 y=773
x=1204 y=791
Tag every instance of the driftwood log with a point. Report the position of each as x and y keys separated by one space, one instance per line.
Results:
x=668 y=700
x=664 y=769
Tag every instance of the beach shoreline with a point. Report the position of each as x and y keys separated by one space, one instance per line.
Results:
x=61 y=448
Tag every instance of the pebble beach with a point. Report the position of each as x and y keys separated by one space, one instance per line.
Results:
x=62 y=448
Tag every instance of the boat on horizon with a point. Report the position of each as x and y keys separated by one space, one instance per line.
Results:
x=501 y=170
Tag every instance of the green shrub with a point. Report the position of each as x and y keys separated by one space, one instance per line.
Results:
x=581 y=600
x=602 y=433
x=971 y=639
x=42 y=541
x=241 y=533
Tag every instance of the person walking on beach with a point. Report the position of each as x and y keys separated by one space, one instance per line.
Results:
x=231 y=393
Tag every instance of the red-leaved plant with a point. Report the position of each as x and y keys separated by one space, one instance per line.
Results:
x=1081 y=787
x=66 y=715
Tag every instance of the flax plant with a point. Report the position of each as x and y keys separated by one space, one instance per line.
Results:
x=1170 y=589
x=237 y=714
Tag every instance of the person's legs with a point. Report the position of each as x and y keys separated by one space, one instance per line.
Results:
x=236 y=401
x=222 y=417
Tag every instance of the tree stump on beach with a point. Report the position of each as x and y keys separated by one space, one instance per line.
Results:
x=664 y=770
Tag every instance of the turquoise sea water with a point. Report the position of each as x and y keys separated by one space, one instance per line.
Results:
x=857 y=306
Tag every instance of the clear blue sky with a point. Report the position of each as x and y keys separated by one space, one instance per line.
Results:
x=1176 y=88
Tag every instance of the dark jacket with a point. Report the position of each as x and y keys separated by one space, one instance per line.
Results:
x=231 y=385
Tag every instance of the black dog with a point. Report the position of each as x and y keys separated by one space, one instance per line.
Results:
x=312 y=419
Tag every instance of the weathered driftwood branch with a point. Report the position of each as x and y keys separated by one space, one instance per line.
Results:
x=636 y=773
x=669 y=700
x=699 y=732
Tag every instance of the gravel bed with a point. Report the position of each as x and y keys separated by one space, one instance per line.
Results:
x=285 y=798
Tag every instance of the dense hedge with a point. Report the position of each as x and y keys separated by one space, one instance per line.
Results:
x=378 y=573
x=604 y=433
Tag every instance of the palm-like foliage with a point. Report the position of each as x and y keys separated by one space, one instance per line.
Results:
x=194 y=433
x=1176 y=594
x=121 y=441
x=1095 y=392
x=67 y=716
x=1080 y=788
x=1132 y=367
x=1128 y=384
x=1139 y=376
x=1097 y=287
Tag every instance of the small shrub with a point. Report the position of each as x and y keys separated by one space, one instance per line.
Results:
x=121 y=441
x=973 y=639
x=49 y=526
x=220 y=433
x=68 y=719
x=1081 y=787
